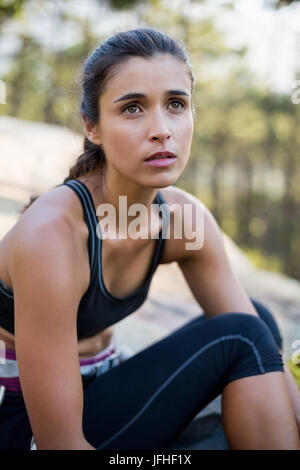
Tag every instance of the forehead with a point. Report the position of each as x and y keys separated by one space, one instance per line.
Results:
x=148 y=75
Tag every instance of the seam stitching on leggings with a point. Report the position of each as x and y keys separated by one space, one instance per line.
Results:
x=178 y=370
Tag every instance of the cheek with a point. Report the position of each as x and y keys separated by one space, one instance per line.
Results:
x=127 y=137
x=185 y=132
x=117 y=141
x=123 y=136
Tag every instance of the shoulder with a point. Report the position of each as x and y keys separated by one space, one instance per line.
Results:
x=55 y=209
x=54 y=219
x=178 y=197
x=198 y=230
x=173 y=194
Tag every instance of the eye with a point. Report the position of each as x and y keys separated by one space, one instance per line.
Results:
x=180 y=102
x=131 y=105
x=135 y=105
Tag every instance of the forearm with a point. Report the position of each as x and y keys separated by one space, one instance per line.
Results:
x=78 y=444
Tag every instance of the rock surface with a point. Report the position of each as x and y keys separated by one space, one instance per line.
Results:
x=34 y=158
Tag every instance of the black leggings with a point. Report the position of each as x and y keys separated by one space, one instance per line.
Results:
x=146 y=401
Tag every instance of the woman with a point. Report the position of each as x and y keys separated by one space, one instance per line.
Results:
x=63 y=287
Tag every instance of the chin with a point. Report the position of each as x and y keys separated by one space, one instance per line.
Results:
x=162 y=180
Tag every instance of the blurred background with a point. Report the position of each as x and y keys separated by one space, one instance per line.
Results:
x=244 y=163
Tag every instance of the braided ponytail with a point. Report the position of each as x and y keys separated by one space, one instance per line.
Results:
x=93 y=157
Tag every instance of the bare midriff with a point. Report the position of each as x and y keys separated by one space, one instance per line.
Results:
x=86 y=347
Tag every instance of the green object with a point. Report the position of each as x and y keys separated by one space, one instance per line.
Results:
x=295 y=369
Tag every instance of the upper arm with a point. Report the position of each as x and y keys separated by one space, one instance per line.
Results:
x=47 y=291
x=209 y=274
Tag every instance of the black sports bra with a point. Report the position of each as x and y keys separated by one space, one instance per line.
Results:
x=98 y=309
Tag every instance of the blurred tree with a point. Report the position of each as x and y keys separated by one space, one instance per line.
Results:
x=123 y=4
x=281 y=3
x=10 y=9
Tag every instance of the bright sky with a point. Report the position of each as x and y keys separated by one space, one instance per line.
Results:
x=272 y=36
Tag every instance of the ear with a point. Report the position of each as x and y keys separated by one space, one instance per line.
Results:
x=91 y=131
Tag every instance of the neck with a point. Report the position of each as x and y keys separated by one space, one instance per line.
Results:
x=120 y=195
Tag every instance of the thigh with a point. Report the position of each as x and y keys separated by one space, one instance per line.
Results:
x=145 y=402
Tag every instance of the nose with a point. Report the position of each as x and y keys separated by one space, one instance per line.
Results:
x=159 y=129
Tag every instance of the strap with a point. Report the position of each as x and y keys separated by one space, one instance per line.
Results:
x=165 y=214
x=89 y=215
x=6 y=290
x=165 y=211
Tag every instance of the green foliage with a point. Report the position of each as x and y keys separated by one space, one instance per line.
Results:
x=10 y=8
x=295 y=369
x=123 y=4
x=263 y=261
x=283 y=3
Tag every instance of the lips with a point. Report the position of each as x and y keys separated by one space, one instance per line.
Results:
x=159 y=155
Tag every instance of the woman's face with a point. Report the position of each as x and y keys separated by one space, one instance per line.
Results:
x=132 y=129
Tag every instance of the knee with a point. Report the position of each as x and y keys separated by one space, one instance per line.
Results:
x=269 y=320
x=248 y=345
x=249 y=331
x=241 y=323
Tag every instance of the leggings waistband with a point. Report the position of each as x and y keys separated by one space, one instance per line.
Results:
x=99 y=363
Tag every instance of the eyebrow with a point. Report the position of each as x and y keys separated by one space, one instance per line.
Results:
x=129 y=96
